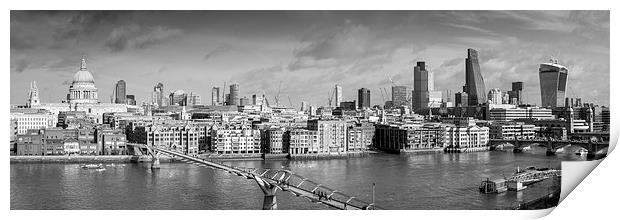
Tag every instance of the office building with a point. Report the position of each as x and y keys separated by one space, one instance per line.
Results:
x=509 y=114
x=158 y=95
x=27 y=119
x=466 y=138
x=257 y=99
x=338 y=94
x=400 y=96
x=363 y=98
x=120 y=92
x=178 y=97
x=233 y=99
x=244 y=101
x=516 y=94
x=553 y=78
x=215 y=96
x=474 y=83
x=423 y=82
x=130 y=99
x=495 y=96
x=193 y=99
x=512 y=131
x=461 y=99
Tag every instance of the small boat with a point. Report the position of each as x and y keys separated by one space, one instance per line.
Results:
x=100 y=169
x=582 y=152
x=93 y=166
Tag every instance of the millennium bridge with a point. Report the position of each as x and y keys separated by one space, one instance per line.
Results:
x=269 y=181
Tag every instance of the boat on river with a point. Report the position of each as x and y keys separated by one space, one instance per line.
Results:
x=93 y=166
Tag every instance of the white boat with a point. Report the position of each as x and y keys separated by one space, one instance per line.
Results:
x=93 y=166
x=582 y=152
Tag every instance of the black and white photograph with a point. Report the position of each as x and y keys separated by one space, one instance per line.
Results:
x=304 y=109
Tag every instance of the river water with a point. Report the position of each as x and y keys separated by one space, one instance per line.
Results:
x=428 y=181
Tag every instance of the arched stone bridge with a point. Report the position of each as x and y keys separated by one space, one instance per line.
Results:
x=595 y=148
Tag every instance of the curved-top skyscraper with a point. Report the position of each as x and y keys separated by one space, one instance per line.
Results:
x=553 y=78
x=474 y=84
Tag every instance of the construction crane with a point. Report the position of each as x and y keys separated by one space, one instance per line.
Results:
x=390 y=78
x=329 y=97
x=289 y=101
x=386 y=93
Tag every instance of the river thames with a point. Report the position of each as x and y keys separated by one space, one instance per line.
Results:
x=427 y=181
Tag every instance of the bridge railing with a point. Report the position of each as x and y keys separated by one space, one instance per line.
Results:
x=284 y=178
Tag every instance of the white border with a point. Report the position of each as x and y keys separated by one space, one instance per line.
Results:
x=595 y=196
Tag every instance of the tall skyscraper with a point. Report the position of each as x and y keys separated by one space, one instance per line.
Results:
x=363 y=98
x=553 y=77
x=33 y=95
x=304 y=106
x=423 y=82
x=400 y=96
x=338 y=94
x=215 y=96
x=474 y=83
x=234 y=94
x=158 y=95
x=121 y=92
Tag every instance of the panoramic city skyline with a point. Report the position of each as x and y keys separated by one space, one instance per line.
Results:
x=258 y=49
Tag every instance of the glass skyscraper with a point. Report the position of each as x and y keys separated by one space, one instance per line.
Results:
x=553 y=79
x=363 y=98
x=474 y=84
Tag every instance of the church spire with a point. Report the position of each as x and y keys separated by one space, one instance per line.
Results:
x=83 y=63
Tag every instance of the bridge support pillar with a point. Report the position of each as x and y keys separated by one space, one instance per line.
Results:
x=592 y=150
x=155 y=162
x=550 y=150
x=269 y=202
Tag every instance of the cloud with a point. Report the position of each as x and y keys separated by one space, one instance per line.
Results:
x=20 y=65
x=345 y=44
x=472 y=28
x=137 y=37
x=219 y=50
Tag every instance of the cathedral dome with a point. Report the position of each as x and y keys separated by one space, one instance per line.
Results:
x=83 y=75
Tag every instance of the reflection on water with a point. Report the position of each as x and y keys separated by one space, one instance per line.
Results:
x=429 y=181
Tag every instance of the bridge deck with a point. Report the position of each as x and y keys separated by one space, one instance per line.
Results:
x=284 y=180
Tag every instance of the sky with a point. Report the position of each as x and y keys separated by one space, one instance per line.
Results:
x=307 y=52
